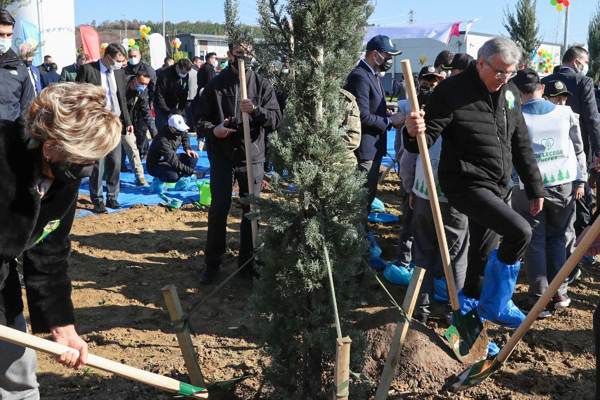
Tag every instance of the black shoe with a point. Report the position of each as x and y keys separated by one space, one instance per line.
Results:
x=248 y=273
x=526 y=307
x=112 y=203
x=576 y=273
x=99 y=208
x=422 y=318
x=209 y=274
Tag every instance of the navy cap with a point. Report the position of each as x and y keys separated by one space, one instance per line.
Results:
x=384 y=44
x=525 y=76
x=556 y=88
x=429 y=70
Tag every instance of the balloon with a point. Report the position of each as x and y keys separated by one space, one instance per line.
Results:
x=148 y=29
x=553 y=2
x=559 y=1
x=566 y=3
x=143 y=36
x=560 y=7
x=131 y=42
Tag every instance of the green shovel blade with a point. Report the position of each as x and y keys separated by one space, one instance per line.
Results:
x=478 y=373
x=224 y=385
x=467 y=338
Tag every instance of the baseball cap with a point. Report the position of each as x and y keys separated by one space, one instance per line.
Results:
x=461 y=61
x=525 y=76
x=176 y=121
x=383 y=43
x=556 y=88
x=428 y=70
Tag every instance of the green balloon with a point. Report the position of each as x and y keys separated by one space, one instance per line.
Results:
x=553 y=2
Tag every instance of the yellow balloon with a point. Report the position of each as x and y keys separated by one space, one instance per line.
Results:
x=560 y=7
x=131 y=42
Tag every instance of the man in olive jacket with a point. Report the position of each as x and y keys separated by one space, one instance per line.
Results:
x=478 y=114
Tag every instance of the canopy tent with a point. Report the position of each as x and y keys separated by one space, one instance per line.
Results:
x=441 y=32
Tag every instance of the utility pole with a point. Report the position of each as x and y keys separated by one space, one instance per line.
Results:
x=566 y=41
x=411 y=17
x=163 y=4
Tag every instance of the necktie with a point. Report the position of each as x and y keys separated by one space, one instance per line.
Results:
x=379 y=83
x=112 y=84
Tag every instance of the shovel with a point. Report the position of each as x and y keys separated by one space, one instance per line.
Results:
x=158 y=381
x=483 y=369
x=467 y=337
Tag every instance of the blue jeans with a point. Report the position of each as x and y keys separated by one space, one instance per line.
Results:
x=166 y=173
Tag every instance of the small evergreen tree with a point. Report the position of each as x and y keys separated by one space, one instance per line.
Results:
x=320 y=41
x=567 y=176
x=523 y=28
x=552 y=179
x=546 y=181
x=560 y=175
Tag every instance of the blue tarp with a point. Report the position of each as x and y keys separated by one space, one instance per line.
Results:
x=131 y=194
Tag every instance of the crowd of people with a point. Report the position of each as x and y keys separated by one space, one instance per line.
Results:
x=514 y=157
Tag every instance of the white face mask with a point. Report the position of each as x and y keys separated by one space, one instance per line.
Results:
x=134 y=60
x=585 y=68
x=116 y=65
x=5 y=44
x=381 y=74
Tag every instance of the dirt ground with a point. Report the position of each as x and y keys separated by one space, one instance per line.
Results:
x=121 y=261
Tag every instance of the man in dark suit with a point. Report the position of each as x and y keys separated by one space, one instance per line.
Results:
x=50 y=77
x=207 y=72
x=583 y=102
x=45 y=67
x=172 y=92
x=363 y=82
x=69 y=73
x=107 y=73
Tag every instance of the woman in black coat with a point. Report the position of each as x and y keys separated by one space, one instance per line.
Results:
x=43 y=157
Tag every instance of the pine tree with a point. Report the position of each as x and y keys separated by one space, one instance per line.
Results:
x=523 y=28
x=593 y=41
x=552 y=179
x=567 y=176
x=546 y=181
x=320 y=40
x=560 y=175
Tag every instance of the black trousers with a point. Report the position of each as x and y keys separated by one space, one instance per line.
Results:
x=223 y=173
x=597 y=339
x=489 y=218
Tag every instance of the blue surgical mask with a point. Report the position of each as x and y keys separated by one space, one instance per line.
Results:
x=181 y=75
x=140 y=88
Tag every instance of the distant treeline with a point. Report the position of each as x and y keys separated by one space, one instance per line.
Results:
x=207 y=27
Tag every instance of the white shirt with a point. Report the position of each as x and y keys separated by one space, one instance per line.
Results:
x=105 y=75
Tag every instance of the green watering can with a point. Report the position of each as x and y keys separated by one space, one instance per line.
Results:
x=205 y=195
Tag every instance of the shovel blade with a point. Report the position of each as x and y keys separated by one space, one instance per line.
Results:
x=478 y=373
x=467 y=337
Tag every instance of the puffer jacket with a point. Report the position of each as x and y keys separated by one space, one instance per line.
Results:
x=484 y=136
x=16 y=91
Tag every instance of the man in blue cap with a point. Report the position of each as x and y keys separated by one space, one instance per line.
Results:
x=363 y=82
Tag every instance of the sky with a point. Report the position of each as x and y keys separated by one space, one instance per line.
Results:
x=387 y=12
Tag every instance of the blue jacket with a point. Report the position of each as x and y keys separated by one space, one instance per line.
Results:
x=37 y=78
x=16 y=91
x=362 y=83
x=50 y=77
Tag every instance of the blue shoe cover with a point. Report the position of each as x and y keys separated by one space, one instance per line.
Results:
x=184 y=184
x=493 y=349
x=157 y=186
x=499 y=283
x=398 y=273
x=377 y=206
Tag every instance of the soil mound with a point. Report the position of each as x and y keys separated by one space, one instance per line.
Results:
x=426 y=361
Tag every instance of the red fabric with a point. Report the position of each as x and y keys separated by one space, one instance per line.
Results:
x=90 y=40
x=455 y=31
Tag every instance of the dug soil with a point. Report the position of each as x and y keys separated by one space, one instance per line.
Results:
x=120 y=262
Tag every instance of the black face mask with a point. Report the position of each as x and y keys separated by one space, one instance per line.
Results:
x=69 y=173
x=386 y=65
x=27 y=63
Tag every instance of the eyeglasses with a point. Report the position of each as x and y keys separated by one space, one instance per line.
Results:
x=502 y=74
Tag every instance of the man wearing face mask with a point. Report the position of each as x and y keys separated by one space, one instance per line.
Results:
x=172 y=92
x=363 y=82
x=207 y=72
x=107 y=73
x=443 y=63
x=220 y=122
x=138 y=105
x=16 y=90
x=26 y=53
x=583 y=102
x=135 y=63
x=45 y=67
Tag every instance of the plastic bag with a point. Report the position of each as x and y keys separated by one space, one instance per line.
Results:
x=377 y=206
x=375 y=253
x=440 y=291
x=383 y=218
x=398 y=274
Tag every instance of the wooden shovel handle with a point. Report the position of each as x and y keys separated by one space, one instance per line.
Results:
x=33 y=342
x=247 y=141
x=433 y=198
x=546 y=297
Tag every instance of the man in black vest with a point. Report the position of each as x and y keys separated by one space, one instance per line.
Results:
x=107 y=73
